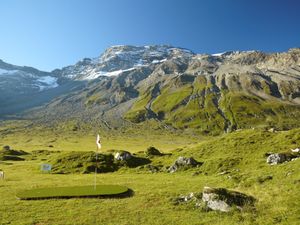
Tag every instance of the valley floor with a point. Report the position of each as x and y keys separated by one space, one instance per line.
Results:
x=240 y=154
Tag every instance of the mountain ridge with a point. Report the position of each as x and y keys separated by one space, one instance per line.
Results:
x=211 y=93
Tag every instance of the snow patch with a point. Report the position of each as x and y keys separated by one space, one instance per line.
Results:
x=218 y=54
x=47 y=82
x=8 y=72
x=158 y=61
x=95 y=75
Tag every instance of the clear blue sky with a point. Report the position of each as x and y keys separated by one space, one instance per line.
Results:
x=49 y=34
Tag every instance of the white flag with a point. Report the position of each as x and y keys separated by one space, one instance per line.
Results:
x=98 y=142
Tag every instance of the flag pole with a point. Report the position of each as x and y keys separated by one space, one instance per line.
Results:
x=98 y=143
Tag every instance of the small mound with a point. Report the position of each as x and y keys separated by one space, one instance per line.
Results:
x=8 y=154
x=83 y=162
x=74 y=192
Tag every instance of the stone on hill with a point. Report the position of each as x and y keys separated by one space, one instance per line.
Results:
x=272 y=130
x=183 y=162
x=296 y=150
x=278 y=158
x=185 y=198
x=126 y=159
x=123 y=156
x=221 y=199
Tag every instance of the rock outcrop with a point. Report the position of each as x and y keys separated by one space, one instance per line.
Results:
x=296 y=150
x=224 y=200
x=123 y=156
x=219 y=199
x=278 y=158
x=183 y=163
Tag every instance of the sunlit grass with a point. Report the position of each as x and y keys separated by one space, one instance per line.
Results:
x=240 y=153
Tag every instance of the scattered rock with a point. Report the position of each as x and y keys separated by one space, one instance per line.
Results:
x=272 y=130
x=152 y=151
x=224 y=200
x=187 y=198
x=126 y=159
x=123 y=156
x=296 y=150
x=183 y=162
x=277 y=158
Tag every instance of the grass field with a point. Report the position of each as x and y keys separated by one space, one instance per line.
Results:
x=137 y=139
x=240 y=154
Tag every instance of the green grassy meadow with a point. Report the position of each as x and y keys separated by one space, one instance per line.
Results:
x=240 y=154
x=65 y=139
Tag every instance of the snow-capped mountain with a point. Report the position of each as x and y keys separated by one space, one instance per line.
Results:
x=25 y=87
x=222 y=91
x=25 y=79
x=122 y=58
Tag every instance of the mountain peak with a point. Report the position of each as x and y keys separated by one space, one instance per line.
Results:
x=130 y=52
x=123 y=58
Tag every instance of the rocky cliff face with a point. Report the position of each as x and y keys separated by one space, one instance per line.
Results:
x=174 y=86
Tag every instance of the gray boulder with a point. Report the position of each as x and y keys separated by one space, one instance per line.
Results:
x=123 y=156
x=277 y=158
x=221 y=199
x=296 y=150
x=183 y=162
